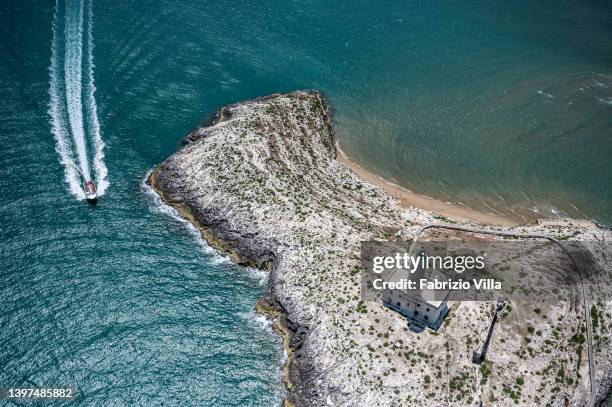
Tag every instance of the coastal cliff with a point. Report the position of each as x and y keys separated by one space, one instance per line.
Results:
x=263 y=185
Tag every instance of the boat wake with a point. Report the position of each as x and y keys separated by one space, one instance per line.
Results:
x=75 y=124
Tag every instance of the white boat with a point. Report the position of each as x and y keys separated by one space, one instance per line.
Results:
x=90 y=191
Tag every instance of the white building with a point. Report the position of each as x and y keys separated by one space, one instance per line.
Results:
x=413 y=306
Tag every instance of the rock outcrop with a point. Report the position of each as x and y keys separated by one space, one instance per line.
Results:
x=263 y=185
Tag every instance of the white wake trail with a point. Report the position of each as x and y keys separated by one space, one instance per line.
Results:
x=56 y=112
x=73 y=47
x=67 y=88
x=94 y=125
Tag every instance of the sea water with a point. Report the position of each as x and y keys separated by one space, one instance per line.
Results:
x=503 y=106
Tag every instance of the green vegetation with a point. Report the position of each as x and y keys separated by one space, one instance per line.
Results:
x=594 y=317
x=459 y=383
x=361 y=308
x=485 y=371
x=578 y=339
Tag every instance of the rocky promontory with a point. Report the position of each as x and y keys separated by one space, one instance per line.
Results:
x=263 y=184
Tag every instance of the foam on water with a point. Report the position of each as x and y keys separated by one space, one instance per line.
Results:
x=548 y=211
x=258 y=320
x=259 y=275
x=73 y=46
x=94 y=124
x=66 y=107
x=56 y=112
x=548 y=95
x=605 y=101
x=221 y=259
x=159 y=206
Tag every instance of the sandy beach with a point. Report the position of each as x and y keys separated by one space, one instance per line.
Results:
x=409 y=199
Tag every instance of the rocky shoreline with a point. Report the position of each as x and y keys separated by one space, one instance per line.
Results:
x=247 y=253
x=262 y=184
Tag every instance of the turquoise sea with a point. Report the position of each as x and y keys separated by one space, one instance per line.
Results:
x=503 y=106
